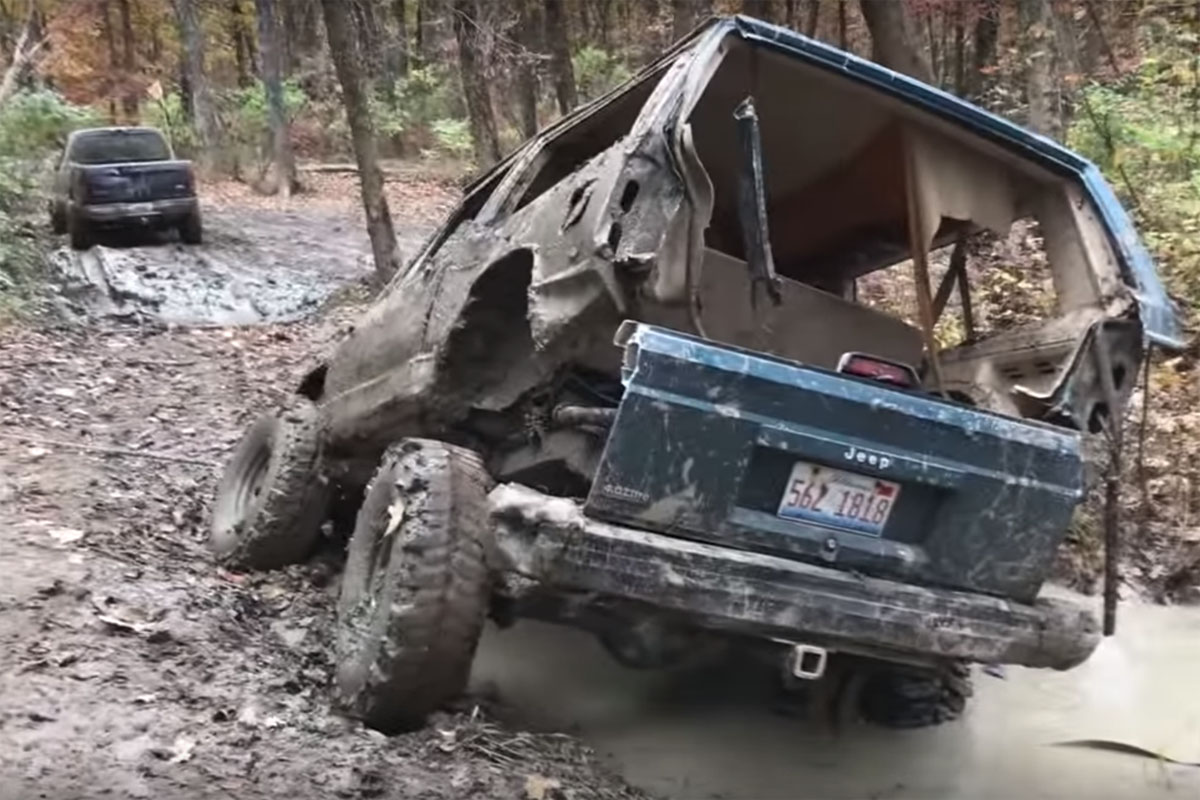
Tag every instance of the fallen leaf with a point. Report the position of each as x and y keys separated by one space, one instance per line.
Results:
x=65 y=535
x=182 y=749
x=539 y=787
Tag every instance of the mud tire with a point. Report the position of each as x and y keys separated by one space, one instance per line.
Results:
x=273 y=494
x=58 y=220
x=81 y=234
x=411 y=609
x=191 y=230
x=895 y=698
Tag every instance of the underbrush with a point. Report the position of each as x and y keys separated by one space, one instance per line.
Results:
x=33 y=126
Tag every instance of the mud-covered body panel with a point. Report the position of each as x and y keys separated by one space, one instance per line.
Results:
x=706 y=436
x=550 y=547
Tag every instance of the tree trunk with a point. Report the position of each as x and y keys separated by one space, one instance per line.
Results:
x=347 y=62
x=1036 y=45
x=114 y=62
x=475 y=88
x=814 y=16
x=400 y=17
x=367 y=24
x=763 y=9
x=526 y=77
x=894 y=38
x=129 y=93
x=987 y=33
x=243 y=44
x=282 y=168
x=202 y=109
x=24 y=51
x=687 y=14
x=843 y=40
x=560 y=56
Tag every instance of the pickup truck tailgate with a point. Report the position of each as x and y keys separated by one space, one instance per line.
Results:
x=737 y=448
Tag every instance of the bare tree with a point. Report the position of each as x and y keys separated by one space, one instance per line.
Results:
x=814 y=16
x=526 y=76
x=243 y=43
x=686 y=14
x=400 y=46
x=203 y=110
x=987 y=34
x=480 y=114
x=347 y=62
x=893 y=38
x=560 y=56
x=763 y=9
x=280 y=175
x=129 y=97
x=24 y=53
x=1036 y=44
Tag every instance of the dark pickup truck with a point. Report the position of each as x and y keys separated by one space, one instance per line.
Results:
x=115 y=178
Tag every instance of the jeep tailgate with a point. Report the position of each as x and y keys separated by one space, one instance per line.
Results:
x=732 y=447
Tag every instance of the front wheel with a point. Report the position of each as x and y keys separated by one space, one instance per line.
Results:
x=82 y=236
x=273 y=494
x=416 y=587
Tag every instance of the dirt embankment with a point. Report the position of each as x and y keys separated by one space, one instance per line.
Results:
x=129 y=665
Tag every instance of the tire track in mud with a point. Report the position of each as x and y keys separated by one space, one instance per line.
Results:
x=256 y=265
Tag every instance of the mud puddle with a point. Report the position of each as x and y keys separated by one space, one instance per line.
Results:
x=711 y=732
x=256 y=266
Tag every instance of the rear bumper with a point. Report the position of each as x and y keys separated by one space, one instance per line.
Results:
x=162 y=212
x=553 y=547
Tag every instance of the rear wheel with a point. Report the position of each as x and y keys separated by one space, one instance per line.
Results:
x=191 y=230
x=416 y=586
x=273 y=494
x=896 y=698
x=82 y=236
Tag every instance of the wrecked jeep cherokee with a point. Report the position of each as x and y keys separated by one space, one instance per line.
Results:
x=760 y=459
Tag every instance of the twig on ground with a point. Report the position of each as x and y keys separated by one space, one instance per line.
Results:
x=108 y=451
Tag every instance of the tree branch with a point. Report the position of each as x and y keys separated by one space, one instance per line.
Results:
x=23 y=55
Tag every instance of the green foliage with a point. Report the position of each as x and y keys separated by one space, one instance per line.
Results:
x=453 y=136
x=597 y=71
x=1144 y=132
x=246 y=115
x=168 y=115
x=33 y=125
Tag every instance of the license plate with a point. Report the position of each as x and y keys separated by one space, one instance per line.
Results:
x=816 y=493
x=140 y=208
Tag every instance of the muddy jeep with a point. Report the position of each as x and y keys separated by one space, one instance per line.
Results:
x=637 y=384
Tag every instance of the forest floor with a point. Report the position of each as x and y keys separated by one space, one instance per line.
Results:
x=129 y=665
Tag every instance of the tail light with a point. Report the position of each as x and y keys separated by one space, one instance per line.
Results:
x=878 y=369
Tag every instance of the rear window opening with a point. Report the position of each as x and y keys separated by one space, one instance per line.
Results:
x=850 y=197
x=119 y=147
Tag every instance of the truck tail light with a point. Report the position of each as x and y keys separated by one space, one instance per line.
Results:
x=878 y=369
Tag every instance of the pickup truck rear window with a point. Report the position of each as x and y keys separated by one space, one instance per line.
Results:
x=117 y=147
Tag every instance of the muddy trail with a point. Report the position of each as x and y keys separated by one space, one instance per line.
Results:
x=130 y=666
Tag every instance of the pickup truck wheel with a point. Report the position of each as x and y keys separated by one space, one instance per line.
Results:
x=81 y=233
x=58 y=220
x=416 y=586
x=895 y=698
x=272 y=496
x=191 y=230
